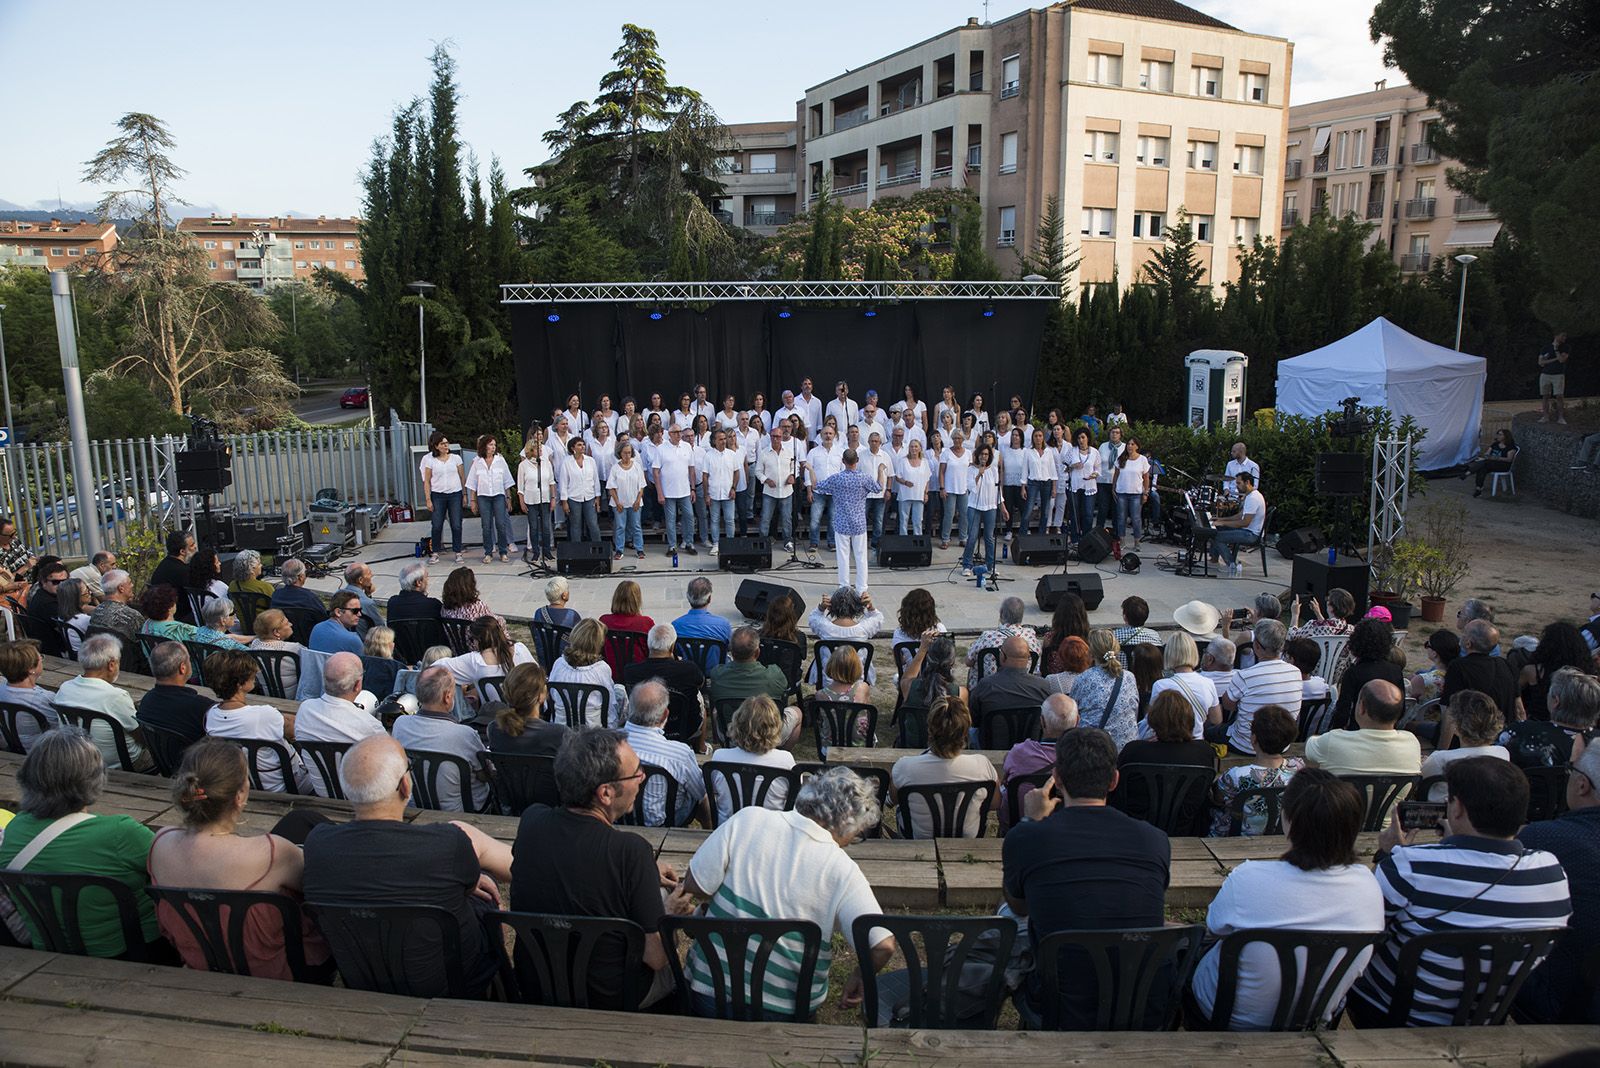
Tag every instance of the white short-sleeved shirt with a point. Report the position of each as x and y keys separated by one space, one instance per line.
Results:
x=628 y=482
x=726 y=420
x=822 y=463
x=1199 y=691
x=446 y=473
x=724 y=470
x=880 y=468
x=1255 y=507
x=1013 y=465
x=985 y=492
x=258 y=722
x=1108 y=461
x=681 y=418
x=579 y=482
x=1130 y=476
x=917 y=474
x=672 y=468
x=956 y=470
x=470 y=668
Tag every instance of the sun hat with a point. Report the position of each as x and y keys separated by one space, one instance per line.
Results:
x=1197 y=617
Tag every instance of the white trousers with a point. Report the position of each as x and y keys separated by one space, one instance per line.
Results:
x=852 y=546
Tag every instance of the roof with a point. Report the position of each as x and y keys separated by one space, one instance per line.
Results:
x=1381 y=351
x=284 y=225
x=1166 y=10
x=56 y=230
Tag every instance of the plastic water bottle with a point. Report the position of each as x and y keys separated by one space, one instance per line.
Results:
x=1333 y=555
x=674 y=556
x=979 y=573
x=1005 y=550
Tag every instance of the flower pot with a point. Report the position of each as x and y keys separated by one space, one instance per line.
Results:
x=1385 y=597
x=1433 y=609
x=1400 y=613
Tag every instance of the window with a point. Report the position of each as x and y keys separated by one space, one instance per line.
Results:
x=1100 y=146
x=1010 y=76
x=61 y=252
x=1245 y=231
x=1201 y=225
x=228 y=245
x=299 y=244
x=1337 y=202
x=1207 y=81
x=211 y=264
x=974 y=156
x=1155 y=75
x=1008 y=226
x=348 y=245
x=763 y=163
x=1253 y=87
x=1424 y=192
x=1249 y=159
x=349 y=265
x=1419 y=244
x=300 y=265
x=1149 y=224
x=72 y=252
x=1099 y=222
x=1202 y=155
x=209 y=244
x=1358 y=149
x=228 y=265
x=1104 y=69
x=1008 y=153
x=1153 y=151
x=1341 y=151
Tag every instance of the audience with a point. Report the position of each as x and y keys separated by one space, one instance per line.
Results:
x=1146 y=662
x=1199 y=621
x=1336 y=620
x=1441 y=650
x=160 y=606
x=1265 y=608
x=699 y=621
x=1371 y=641
x=232 y=676
x=744 y=676
x=624 y=617
x=1216 y=663
x=684 y=679
x=1480 y=668
x=1073 y=657
x=931 y=673
x=845 y=614
x=432 y=729
x=73 y=603
x=21 y=665
x=1013 y=686
x=93 y=573
x=116 y=611
x=291 y=591
x=335 y=716
x=1106 y=694
x=173 y=570
x=247 y=576
x=1011 y=610
x=1135 y=611
x=459 y=599
x=413 y=602
x=218 y=618
x=945 y=761
x=1033 y=756
x=1272 y=732
x=645 y=731
x=918 y=614
x=339 y=633
x=171 y=704
x=1268 y=681
x=1377 y=747
x=100 y=660
x=273 y=632
x=358 y=580
x=1574 y=703
x=1472 y=723
x=842 y=682
x=755 y=736
x=583 y=661
x=518 y=727
x=555 y=611
x=782 y=623
x=1305 y=655
x=493 y=654
x=378 y=664
x=1171 y=740
x=1560 y=646
x=1180 y=658
x=205 y=573
x=1070 y=620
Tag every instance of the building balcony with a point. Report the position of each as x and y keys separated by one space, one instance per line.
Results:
x=245 y=272
x=1375 y=209
x=1470 y=206
x=1423 y=154
x=1291 y=216
x=903 y=178
x=1421 y=208
x=1414 y=262
x=1380 y=155
x=723 y=217
x=1320 y=164
x=753 y=183
x=850 y=119
x=1291 y=170
x=768 y=218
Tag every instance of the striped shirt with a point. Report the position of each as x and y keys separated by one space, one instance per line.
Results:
x=1458 y=884
x=677 y=760
x=1268 y=682
x=763 y=864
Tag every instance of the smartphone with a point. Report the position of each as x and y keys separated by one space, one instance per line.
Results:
x=1420 y=815
x=1241 y=614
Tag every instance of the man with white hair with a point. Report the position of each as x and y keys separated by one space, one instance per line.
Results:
x=1011 y=610
x=413 y=602
x=433 y=729
x=684 y=680
x=1477 y=668
x=335 y=716
x=453 y=866
x=675 y=478
x=358 y=580
x=100 y=660
x=646 y=733
x=292 y=592
x=116 y=611
x=1058 y=714
x=1271 y=680
x=1216 y=663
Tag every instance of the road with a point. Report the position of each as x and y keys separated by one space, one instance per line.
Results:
x=319 y=405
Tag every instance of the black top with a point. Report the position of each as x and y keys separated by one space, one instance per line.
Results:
x=180 y=709
x=175 y=573
x=572 y=864
x=1554 y=992
x=1357 y=675
x=921 y=693
x=409 y=604
x=539 y=738
x=1536 y=743
x=43 y=604
x=1008 y=688
x=1087 y=868
x=297 y=597
x=1488 y=674
x=378 y=674
x=683 y=680
x=385 y=862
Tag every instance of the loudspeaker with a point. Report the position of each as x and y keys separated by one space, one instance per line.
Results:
x=1301 y=540
x=1095 y=546
x=1313 y=575
x=754 y=596
x=905 y=550
x=260 y=532
x=1031 y=549
x=583 y=558
x=205 y=470
x=1085 y=584
x=1340 y=474
x=750 y=553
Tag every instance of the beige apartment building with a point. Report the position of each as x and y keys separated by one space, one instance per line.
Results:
x=54 y=245
x=1125 y=110
x=759 y=176
x=1371 y=155
x=266 y=252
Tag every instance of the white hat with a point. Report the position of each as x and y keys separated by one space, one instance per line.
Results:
x=1197 y=617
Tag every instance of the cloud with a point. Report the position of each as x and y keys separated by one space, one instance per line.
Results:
x=1334 y=54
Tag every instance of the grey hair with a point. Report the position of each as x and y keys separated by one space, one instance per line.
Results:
x=215 y=611
x=99 y=558
x=699 y=592
x=649 y=702
x=1268 y=606
x=69 y=598
x=435 y=653
x=586 y=761
x=662 y=637
x=112 y=580
x=292 y=570
x=1222 y=651
x=353 y=571
x=1059 y=713
x=1479 y=636
x=99 y=652
x=556 y=589
x=845 y=601
x=746 y=643
x=1011 y=610
x=413 y=575
x=1474 y=608
x=1270 y=635
x=379 y=776
x=1577 y=699
x=62 y=774
x=840 y=801
x=245 y=564
x=341 y=675
x=167 y=658
x=436 y=686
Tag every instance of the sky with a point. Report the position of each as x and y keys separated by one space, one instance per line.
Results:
x=274 y=107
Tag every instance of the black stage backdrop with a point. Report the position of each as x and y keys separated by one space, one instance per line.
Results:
x=740 y=347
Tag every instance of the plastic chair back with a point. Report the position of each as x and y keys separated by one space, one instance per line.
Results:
x=457 y=635
x=838 y=724
x=521 y=780
x=12 y=717
x=273 y=678
x=937 y=950
x=737 y=953
x=704 y=653
x=376 y=947
x=303 y=619
x=1169 y=796
x=431 y=779
x=1380 y=792
x=165 y=748
x=264 y=756
x=549 y=641
x=217 y=918
x=413 y=637
x=50 y=903
x=1002 y=728
x=249 y=605
x=1132 y=969
x=1492 y=965
x=89 y=719
x=549 y=963
x=747 y=785
x=624 y=647
x=571 y=700
x=325 y=758
x=948 y=805
x=823 y=648
x=1256 y=810
x=659 y=785
x=1314 y=966
x=1014 y=791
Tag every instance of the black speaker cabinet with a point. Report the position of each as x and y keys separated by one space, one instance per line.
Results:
x=1030 y=550
x=754 y=595
x=1301 y=540
x=1313 y=575
x=204 y=470
x=905 y=550
x=583 y=558
x=1085 y=584
x=1095 y=546
x=1341 y=474
x=745 y=554
x=260 y=531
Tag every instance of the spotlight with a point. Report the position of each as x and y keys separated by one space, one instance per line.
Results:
x=988 y=309
x=553 y=315
x=784 y=312
x=1130 y=563
x=871 y=312
x=657 y=313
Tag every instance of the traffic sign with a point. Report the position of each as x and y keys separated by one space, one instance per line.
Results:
x=5 y=436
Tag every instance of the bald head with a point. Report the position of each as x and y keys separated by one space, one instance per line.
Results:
x=1014 y=652
x=341 y=675
x=371 y=771
x=1380 y=704
x=1057 y=715
x=1479 y=636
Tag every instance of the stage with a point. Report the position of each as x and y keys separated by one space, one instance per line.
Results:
x=962 y=606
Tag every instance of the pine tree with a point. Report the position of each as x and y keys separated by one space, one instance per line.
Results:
x=972 y=260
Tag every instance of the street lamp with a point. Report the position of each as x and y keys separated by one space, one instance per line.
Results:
x=1466 y=259
x=11 y=427
x=422 y=289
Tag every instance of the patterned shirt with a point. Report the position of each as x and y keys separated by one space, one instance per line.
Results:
x=1235 y=780
x=1319 y=627
x=849 y=490
x=1092 y=690
x=993 y=639
x=1136 y=636
x=15 y=558
x=677 y=760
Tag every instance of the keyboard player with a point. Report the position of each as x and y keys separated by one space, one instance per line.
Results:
x=1244 y=527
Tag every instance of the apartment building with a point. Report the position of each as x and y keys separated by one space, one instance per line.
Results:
x=266 y=252
x=1371 y=155
x=759 y=176
x=56 y=244
x=1124 y=110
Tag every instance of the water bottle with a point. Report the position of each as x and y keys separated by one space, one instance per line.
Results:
x=1005 y=550
x=1333 y=555
x=979 y=573
x=674 y=556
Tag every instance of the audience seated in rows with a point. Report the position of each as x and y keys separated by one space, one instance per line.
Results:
x=1305 y=655
x=246 y=577
x=782 y=623
x=1265 y=608
x=946 y=761
x=1069 y=620
x=116 y=611
x=1180 y=658
x=1335 y=620
x=1268 y=680
x=1073 y=657
x=555 y=611
x=160 y=605
x=1013 y=685
x=172 y=704
x=1058 y=714
x=583 y=660
x=460 y=599
x=1370 y=644
x=232 y=676
x=1272 y=732
x=756 y=733
x=73 y=604
x=743 y=676
x=648 y=705
x=1560 y=646
x=358 y=580
x=1172 y=738
x=335 y=716
x=1216 y=663
x=846 y=614
x=1468 y=728
x=1377 y=746
x=1574 y=703
x=683 y=678
x=699 y=621
x=291 y=591
x=413 y=602
x=100 y=659
x=1480 y=668
x=518 y=726
x=842 y=682
x=1106 y=694
x=493 y=653
x=432 y=728
x=1440 y=650
x=1011 y=612
x=339 y=633
x=931 y=673
x=379 y=667
x=173 y=568
x=21 y=665
x=274 y=632
x=918 y=614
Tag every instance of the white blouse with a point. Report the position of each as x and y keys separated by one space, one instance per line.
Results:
x=536 y=479
x=490 y=478
x=446 y=473
x=985 y=493
x=955 y=470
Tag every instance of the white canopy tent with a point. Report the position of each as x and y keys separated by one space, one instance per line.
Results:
x=1385 y=366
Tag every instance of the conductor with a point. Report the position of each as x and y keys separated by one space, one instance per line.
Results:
x=849 y=489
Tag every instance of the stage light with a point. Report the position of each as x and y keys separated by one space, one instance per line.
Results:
x=784 y=312
x=552 y=316
x=657 y=313
x=871 y=312
x=988 y=309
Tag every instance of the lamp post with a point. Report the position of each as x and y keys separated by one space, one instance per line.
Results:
x=1466 y=259
x=11 y=427
x=422 y=289
x=83 y=480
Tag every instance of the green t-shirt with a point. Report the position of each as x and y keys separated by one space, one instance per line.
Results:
x=740 y=680
x=113 y=846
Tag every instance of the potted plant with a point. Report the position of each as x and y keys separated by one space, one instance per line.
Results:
x=1413 y=558
x=1437 y=559
x=1387 y=586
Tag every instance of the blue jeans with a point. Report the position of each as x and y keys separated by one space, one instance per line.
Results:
x=875 y=509
x=1083 y=513
x=955 y=511
x=721 y=510
x=1105 y=503
x=980 y=522
x=1227 y=540
x=821 y=503
x=447 y=503
x=743 y=500
x=700 y=521
x=541 y=529
x=629 y=524
x=771 y=505
x=679 y=510
x=1130 y=515
x=651 y=512
x=1038 y=505
x=583 y=522
x=910 y=516
x=496 y=523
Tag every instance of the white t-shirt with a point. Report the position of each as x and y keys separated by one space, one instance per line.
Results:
x=1255 y=507
x=446 y=473
x=1439 y=759
x=468 y=668
x=1199 y=691
x=724 y=471
x=956 y=470
x=628 y=482
x=681 y=418
x=919 y=410
x=1108 y=461
x=879 y=467
x=917 y=474
x=1130 y=477
x=777 y=794
x=1085 y=476
x=672 y=468
x=1276 y=895
x=726 y=420
x=263 y=723
x=1014 y=465
x=985 y=492
x=822 y=463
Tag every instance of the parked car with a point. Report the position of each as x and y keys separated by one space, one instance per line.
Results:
x=354 y=397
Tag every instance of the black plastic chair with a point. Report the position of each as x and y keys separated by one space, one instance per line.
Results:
x=427 y=767
x=948 y=805
x=881 y=781
x=249 y=605
x=730 y=941
x=50 y=902
x=1125 y=966
x=457 y=635
x=1312 y=966
x=273 y=679
x=669 y=803
x=1379 y=793
x=133 y=658
x=1014 y=793
x=413 y=637
x=903 y=653
x=1169 y=796
x=376 y=947
x=42 y=630
x=197 y=602
x=549 y=641
x=147 y=648
x=11 y=717
x=1254 y=804
x=521 y=780
x=263 y=756
x=217 y=918
x=303 y=620
x=704 y=653
x=325 y=758
x=1492 y=966
x=989 y=662
x=911 y=727
x=937 y=950
x=199 y=653
x=835 y=724
x=686 y=718
x=549 y=964
x=625 y=647
x=490 y=688
x=1547 y=792
x=571 y=700
x=165 y=748
x=747 y=785
x=1002 y=728
x=68 y=632
x=823 y=648
x=87 y=718
x=788 y=658
x=1314 y=716
x=722 y=713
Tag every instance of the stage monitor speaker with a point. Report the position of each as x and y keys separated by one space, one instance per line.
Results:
x=1085 y=584
x=905 y=550
x=1095 y=546
x=1030 y=550
x=1313 y=575
x=750 y=554
x=754 y=595
x=1301 y=540
x=583 y=558
x=260 y=532
x=204 y=470
x=1341 y=474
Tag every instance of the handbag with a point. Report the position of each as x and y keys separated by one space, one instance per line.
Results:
x=25 y=856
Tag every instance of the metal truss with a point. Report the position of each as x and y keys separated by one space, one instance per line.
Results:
x=694 y=292
x=1391 y=488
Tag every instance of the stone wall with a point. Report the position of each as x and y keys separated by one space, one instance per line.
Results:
x=1544 y=464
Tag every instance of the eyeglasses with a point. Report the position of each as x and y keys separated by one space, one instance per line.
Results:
x=635 y=777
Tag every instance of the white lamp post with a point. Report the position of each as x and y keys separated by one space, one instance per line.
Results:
x=1466 y=259
x=422 y=289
